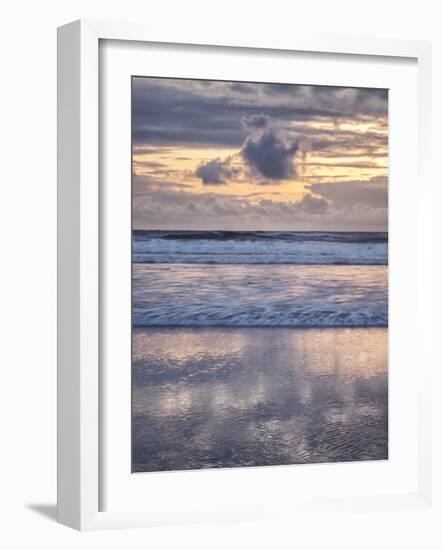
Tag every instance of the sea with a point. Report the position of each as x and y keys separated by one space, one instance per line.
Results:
x=242 y=279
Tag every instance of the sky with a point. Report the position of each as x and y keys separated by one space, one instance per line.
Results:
x=258 y=156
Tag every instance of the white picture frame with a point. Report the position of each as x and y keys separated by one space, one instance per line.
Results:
x=80 y=263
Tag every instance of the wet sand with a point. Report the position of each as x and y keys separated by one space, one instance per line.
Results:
x=227 y=397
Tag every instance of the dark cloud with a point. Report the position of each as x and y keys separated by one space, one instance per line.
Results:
x=281 y=89
x=255 y=122
x=339 y=143
x=216 y=171
x=242 y=88
x=165 y=112
x=342 y=101
x=267 y=150
x=179 y=112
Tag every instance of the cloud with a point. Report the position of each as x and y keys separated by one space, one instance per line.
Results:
x=313 y=205
x=267 y=150
x=242 y=88
x=372 y=193
x=177 y=111
x=216 y=171
x=266 y=129
x=153 y=164
x=141 y=150
x=255 y=122
x=161 y=204
x=166 y=206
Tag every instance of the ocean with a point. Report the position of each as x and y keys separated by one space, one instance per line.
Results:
x=258 y=348
x=287 y=279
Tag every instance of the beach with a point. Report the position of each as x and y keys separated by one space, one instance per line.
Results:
x=227 y=397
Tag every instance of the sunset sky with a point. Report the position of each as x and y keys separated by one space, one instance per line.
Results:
x=248 y=156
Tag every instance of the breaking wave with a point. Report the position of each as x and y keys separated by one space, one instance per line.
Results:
x=224 y=247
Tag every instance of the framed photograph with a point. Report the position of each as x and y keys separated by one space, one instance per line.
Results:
x=243 y=231
x=259 y=274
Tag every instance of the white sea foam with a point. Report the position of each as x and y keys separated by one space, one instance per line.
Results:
x=260 y=248
x=259 y=295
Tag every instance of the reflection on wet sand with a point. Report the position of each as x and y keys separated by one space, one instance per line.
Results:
x=224 y=397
